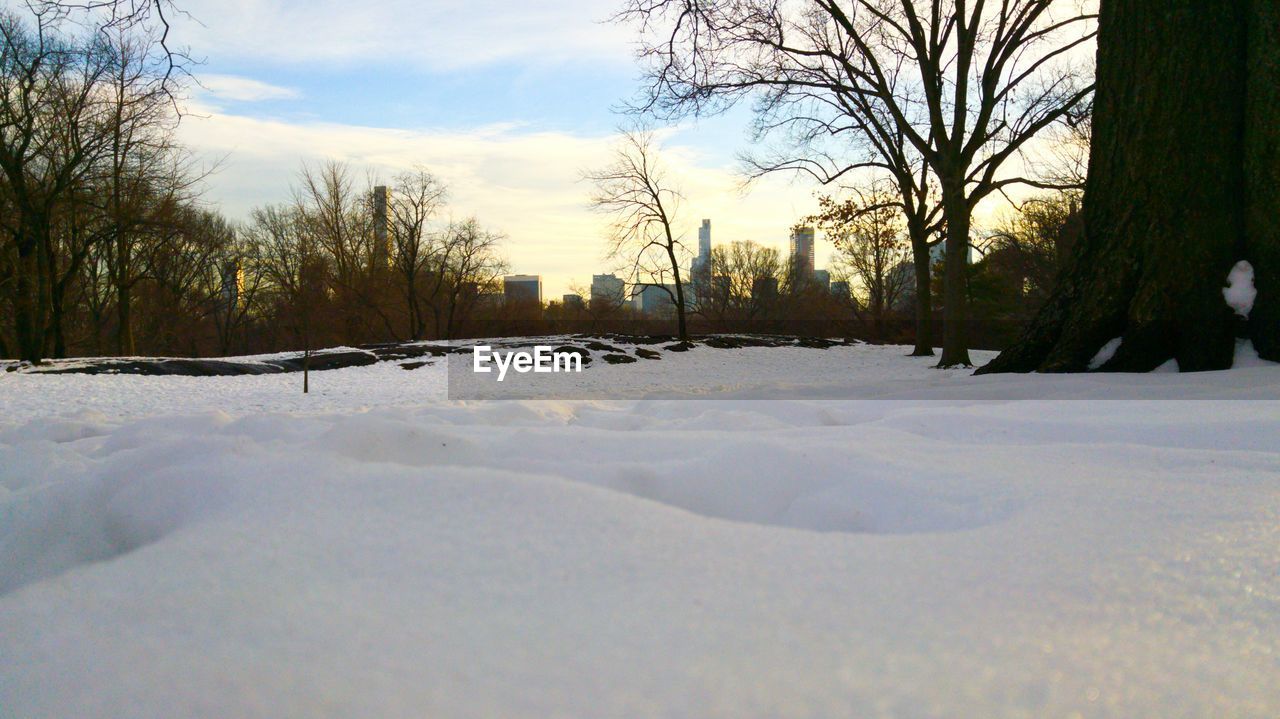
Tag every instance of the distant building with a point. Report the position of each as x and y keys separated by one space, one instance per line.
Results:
x=573 y=302
x=607 y=291
x=802 y=250
x=522 y=288
x=700 y=270
x=653 y=299
x=764 y=289
x=840 y=289
x=232 y=284
x=904 y=274
x=704 y=241
x=937 y=253
x=822 y=278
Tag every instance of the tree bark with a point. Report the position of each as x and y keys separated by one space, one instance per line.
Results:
x=1164 y=206
x=955 y=295
x=124 y=316
x=681 y=326
x=1262 y=174
x=924 y=296
x=28 y=324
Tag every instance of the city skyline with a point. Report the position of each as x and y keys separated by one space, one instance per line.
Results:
x=488 y=112
x=294 y=83
x=291 y=83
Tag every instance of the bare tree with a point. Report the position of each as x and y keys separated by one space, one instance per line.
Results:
x=741 y=266
x=417 y=198
x=339 y=220
x=471 y=266
x=145 y=175
x=843 y=144
x=240 y=278
x=962 y=85
x=633 y=190
x=51 y=120
x=867 y=230
x=150 y=18
x=1184 y=166
x=289 y=263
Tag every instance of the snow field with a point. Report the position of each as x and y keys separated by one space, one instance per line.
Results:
x=175 y=547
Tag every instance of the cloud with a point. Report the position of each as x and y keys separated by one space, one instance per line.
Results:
x=244 y=89
x=524 y=183
x=421 y=34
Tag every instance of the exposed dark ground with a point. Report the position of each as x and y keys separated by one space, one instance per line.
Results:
x=619 y=349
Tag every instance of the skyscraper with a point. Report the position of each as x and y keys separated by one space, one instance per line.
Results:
x=802 y=249
x=232 y=284
x=607 y=291
x=651 y=299
x=522 y=288
x=700 y=272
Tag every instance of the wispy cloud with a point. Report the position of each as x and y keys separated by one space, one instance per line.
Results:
x=522 y=182
x=435 y=35
x=244 y=89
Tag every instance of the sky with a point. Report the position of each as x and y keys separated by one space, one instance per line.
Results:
x=508 y=103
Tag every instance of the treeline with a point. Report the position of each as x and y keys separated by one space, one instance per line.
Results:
x=869 y=291
x=348 y=265
x=95 y=196
x=107 y=248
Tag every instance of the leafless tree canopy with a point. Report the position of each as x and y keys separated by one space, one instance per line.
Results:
x=145 y=18
x=872 y=248
x=633 y=191
x=948 y=88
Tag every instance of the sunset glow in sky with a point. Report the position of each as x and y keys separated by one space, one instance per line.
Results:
x=508 y=103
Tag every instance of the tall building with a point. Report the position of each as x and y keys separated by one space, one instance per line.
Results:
x=232 y=284
x=653 y=299
x=704 y=241
x=381 y=226
x=937 y=254
x=802 y=249
x=822 y=278
x=700 y=271
x=607 y=291
x=764 y=289
x=522 y=288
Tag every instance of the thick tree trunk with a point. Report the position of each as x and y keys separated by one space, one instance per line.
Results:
x=681 y=326
x=1262 y=174
x=56 y=336
x=924 y=299
x=1164 y=202
x=124 y=317
x=955 y=295
x=28 y=324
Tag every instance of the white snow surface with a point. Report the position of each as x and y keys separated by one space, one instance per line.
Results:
x=1105 y=354
x=889 y=540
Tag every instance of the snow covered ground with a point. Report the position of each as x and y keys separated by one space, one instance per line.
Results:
x=791 y=532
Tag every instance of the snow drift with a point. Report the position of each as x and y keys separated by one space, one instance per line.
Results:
x=177 y=546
